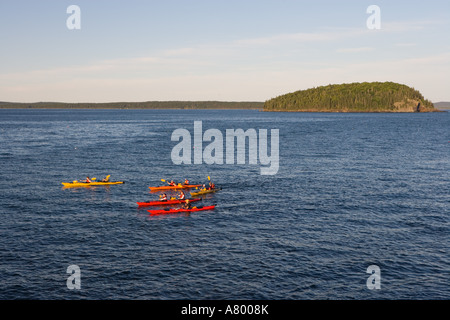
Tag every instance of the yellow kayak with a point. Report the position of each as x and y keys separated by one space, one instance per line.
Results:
x=199 y=193
x=89 y=184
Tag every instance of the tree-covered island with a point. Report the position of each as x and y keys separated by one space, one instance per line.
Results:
x=353 y=97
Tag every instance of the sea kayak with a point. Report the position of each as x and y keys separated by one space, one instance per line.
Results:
x=89 y=184
x=173 y=211
x=179 y=186
x=201 y=192
x=163 y=203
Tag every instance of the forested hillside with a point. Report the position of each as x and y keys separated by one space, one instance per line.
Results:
x=354 y=97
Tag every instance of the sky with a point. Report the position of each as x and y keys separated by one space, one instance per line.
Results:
x=225 y=50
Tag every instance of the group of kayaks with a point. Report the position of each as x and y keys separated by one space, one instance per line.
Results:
x=159 y=203
x=186 y=203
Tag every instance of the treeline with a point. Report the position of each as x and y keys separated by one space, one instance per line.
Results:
x=137 y=105
x=353 y=97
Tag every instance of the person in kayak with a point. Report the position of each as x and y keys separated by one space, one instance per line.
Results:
x=182 y=196
x=172 y=184
x=211 y=186
x=163 y=197
x=106 y=179
x=88 y=180
x=186 y=181
x=187 y=204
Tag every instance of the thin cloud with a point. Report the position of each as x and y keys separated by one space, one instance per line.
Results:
x=302 y=37
x=405 y=45
x=355 y=50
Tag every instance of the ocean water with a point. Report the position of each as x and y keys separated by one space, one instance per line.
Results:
x=352 y=191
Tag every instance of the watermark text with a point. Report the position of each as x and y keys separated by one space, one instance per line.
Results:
x=374 y=20
x=74 y=281
x=374 y=281
x=235 y=147
x=73 y=22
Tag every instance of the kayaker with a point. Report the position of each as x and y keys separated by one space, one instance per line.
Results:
x=182 y=196
x=88 y=180
x=211 y=186
x=186 y=181
x=172 y=184
x=106 y=179
x=187 y=204
x=163 y=197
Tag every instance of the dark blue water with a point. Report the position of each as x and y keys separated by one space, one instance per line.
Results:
x=353 y=190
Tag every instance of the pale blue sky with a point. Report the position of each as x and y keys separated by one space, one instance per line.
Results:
x=230 y=50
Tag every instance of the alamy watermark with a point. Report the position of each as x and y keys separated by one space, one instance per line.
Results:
x=374 y=281
x=189 y=151
x=74 y=280
x=374 y=20
x=73 y=22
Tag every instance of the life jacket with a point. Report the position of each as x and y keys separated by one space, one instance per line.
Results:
x=182 y=196
x=164 y=198
x=186 y=181
x=88 y=180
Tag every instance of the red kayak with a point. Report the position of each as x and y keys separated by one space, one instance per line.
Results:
x=177 y=187
x=164 y=203
x=173 y=211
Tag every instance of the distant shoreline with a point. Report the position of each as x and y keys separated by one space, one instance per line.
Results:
x=184 y=105
x=256 y=109
x=444 y=106
x=150 y=105
x=106 y=108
